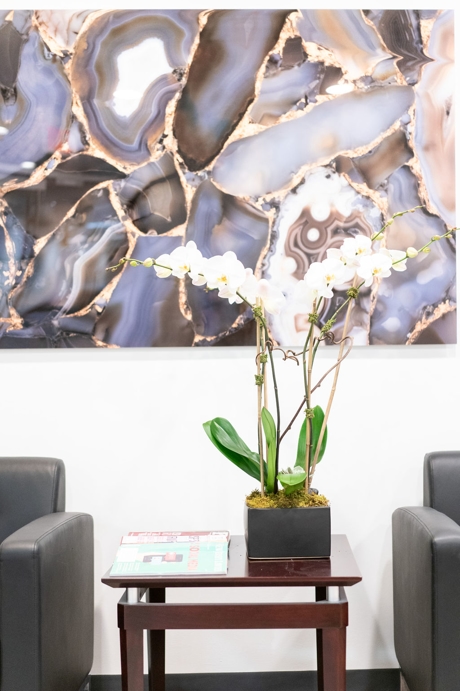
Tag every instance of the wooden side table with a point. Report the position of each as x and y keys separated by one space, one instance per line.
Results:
x=328 y=615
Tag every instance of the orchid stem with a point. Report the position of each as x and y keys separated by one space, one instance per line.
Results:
x=295 y=416
x=308 y=429
x=332 y=393
x=259 y=412
x=277 y=403
x=264 y=369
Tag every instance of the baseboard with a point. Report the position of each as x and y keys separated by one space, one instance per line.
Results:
x=357 y=680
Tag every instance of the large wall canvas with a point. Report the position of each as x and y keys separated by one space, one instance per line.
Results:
x=272 y=133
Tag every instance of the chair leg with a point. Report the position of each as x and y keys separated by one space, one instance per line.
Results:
x=404 y=686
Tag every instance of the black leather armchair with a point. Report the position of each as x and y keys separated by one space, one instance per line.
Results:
x=426 y=578
x=46 y=580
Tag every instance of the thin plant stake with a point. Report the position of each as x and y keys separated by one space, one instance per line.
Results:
x=265 y=368
x=308 y=430
x=259 y=404
x=331 y=395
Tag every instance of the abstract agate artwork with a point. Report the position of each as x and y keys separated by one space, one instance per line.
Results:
x=272 y=133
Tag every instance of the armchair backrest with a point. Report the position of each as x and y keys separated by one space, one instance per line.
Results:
x=441 y=483
x=29 y=488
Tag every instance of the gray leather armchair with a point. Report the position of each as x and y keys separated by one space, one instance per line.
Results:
x=426 y=578
x=46 y=580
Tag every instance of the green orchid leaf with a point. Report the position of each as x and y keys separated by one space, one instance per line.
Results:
x=225 y=438
x=269 y=426
x=292 y=481
x=301 y=446
x=316 y=424
x=228 y=436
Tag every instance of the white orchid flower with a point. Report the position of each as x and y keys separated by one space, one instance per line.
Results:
x=230 y=294
x=323 y=276
x=198 y=272
x=350 y=264
x=248 y=290
x=305 y=295
x=271 y=296
x=376 y=265
x=226 y=273
x=163 y=266
x=357 y=247
x=398 y=258
x=185 y=259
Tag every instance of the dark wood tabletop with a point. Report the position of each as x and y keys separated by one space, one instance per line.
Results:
x=340 y=570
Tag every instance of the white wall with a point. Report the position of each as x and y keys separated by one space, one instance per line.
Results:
x=128 y=426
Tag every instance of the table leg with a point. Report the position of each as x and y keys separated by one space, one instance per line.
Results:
x=156 y=646
x=132 y=659
x=333 y=676
x=321 y=594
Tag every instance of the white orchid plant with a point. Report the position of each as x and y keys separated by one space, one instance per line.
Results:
x=358 y=262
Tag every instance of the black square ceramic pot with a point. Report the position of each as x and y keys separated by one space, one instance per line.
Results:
x=299 y=533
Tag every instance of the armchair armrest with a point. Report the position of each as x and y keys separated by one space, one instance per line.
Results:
x=426 y=578
x=46 y=604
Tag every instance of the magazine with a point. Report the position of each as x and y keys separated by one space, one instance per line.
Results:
x=151 y=537
x=172 y=554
